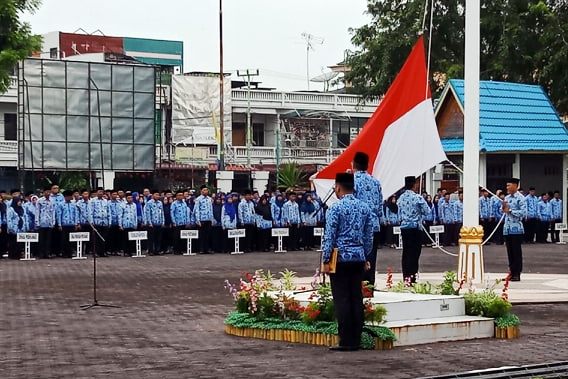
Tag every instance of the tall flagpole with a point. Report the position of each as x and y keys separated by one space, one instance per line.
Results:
x=471 y=235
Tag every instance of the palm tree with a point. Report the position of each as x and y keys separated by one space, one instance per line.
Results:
x=291 y=176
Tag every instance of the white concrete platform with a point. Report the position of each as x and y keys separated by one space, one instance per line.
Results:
x=418 y=319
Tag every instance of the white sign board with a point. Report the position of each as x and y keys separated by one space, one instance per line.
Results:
x=318 y=232
x=280 y=232
x=437 y=229
x=79 y=237
x=138 y=235
x=396 y=229
x=236 y=233
x=27 y=237
x=560 y=226
x=189 y=234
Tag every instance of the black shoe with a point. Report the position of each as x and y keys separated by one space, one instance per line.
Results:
x=515 y=279
x=344 y=348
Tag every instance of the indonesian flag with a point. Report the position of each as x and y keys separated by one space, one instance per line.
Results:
x=400 y=138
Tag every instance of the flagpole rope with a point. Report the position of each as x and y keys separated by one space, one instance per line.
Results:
x=429 y=47
x=434 y=243
x=425 y=15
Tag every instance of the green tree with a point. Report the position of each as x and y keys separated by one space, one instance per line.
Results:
x=16 y=39
x=521 y=41
x=291 y=176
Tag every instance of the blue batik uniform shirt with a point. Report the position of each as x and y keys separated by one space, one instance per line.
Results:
x=532 y=203
x=99 y=212
x=348 y=227
x=544 y=211
x=291 y=213
x=203 y=209
x=458 y=211
x=247 y=214
x=485 y=210
x=128 y=218
x=514 y=219
x=412 y=208
x=154 y=213
x=67 y=214
x=46 y=210
x=447 y=214
x=14 y=226
x=556 y=209
x=180 y=213
x=85 y=212
x=368 y=189
x=57 y=199
x=114 y=209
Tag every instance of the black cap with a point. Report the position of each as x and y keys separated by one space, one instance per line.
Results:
x=248 y=192
x=203 y=187
x=532 y=189
x=513 y=180
x=409 y=181
x=344 y=178
x=67 y=193
x=361 y=160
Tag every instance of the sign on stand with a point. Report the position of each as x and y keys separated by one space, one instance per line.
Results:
x=189 y=235
x=27 y=239
x=280 y=233
x=561 y=228
x=138 y=236
x=237 y=234
x=396 y=230
x=79 y=237
x=436 y=230
x=318 y=232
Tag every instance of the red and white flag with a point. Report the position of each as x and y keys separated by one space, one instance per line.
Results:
x=400 y=138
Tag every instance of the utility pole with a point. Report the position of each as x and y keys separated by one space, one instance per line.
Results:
x=248 y=74
x=278 y=147
x=310 y=40
x=222 y=92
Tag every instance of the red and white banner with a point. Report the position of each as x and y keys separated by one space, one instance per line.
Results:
x=400 y=138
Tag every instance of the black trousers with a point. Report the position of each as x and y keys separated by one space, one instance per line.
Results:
x=205 y=237
x=308 y=237
x=67 y=245
x=56 y=239
x=348 y=302
x=218 y=239
x=554 y=234
x=14 y=248
x=531 y=226
x=425 y=239
x=129 y=247
x=169 y=236
x=515 y=253
x=4 y=239
x=154 y=239
x=45 y=235
x=114 y=244
x=448 y=236
x=250 y=238
x=180 y=246
x=411 y=249
x=369 y=276
x=542 y=232
x=263 y=239
x=293 y=238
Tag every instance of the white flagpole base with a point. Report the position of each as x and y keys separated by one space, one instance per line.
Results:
x=27 y=259
x=470 y=263
x=79 y=258
x=189 y=254
x=236 y=252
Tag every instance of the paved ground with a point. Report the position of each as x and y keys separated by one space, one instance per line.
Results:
x=171 y=319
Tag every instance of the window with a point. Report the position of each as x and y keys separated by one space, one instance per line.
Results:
x=258 y=134
x=10 y=127
x=53 y=53
x=347 y=130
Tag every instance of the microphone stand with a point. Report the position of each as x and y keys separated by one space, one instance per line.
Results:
x=96 y=234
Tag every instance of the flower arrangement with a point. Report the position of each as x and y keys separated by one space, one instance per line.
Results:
x=389 y=278
x=367 y=289
x=374 y=314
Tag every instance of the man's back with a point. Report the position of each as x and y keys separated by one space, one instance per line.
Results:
x=349 y=228
x=412 y=208
x=368 y=189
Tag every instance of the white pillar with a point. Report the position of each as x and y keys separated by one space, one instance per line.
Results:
x=517 y=167
x=105 y=179
x=483 y=169
x=225 y=181
x=260 y=180
x=471 y=250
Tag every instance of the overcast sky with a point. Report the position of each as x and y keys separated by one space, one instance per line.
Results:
x=263 y=34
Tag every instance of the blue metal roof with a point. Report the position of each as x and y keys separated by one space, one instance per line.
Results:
x=513 y=117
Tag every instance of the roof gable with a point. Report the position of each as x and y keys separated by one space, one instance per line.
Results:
x=511 y=116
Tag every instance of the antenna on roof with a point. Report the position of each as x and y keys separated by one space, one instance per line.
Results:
x=310 y=41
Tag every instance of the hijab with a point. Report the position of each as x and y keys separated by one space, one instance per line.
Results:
x=307 y=206
x=217 y=208
x=230 y=209
x=392 y=206
x=136 y=201
x=279 y=201
x=263 y=209
x=19 y=211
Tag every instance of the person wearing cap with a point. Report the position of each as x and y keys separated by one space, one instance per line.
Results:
x=515 y=210
x=412 y=209
x=67 y=220
x=368 y=189
x=154 y=220
x=292 y=220
x=531 y=222
x=128 y=222
x=204 y=219
x=544 y=215
x=349 y=228
x=485 y=212
x=180 y=221
x=101 y=220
